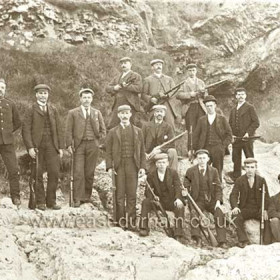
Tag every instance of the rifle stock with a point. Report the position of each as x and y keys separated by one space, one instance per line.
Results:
x=114 y=196
x=211 y=238
x=191 y=159
x=262 y=215
x=33 y=183
x=71 y=202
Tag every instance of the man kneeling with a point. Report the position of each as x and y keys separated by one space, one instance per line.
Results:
x=166 y=185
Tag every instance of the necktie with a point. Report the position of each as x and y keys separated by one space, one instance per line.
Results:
x=202 y=171
x=87 y=114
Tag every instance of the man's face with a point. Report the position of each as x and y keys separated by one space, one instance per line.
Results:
x=250 y=169
x=157 y=68
x=125 y=65
x=2 y=90
x=241 y=96
x=42 y=95
x=210 y=107
x=124 y=116
x=86 y=99
x=192 y=72
x=162 y=164
x=159 y=114
x=202 y=159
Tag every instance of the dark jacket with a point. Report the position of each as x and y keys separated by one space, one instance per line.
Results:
x=191 y=182
x=113 y=148
x=75 y=126
x=9 y=120
x=33 y=127
x=132 y=92
x=222 y=128
x=238 y=196
x=248 y=120
x=172 y=181
x=165 y=133
x=274 y=206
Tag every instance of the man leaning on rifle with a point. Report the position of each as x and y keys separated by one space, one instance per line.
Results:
x=203 y=184
x=246 y=201
x=166 y=185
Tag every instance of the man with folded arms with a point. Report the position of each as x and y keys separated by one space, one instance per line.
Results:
x=85 y=129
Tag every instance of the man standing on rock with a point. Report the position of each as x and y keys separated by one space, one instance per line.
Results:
x=84 y=129
x=126 y=159
x=42 y=135
x=126 y=89
x=246 y=201
x=166 y=185
x=154 y=87
x=191 y=95
x=203 y=183
x=213 y=133
x=244 y=122
x=158 y=131
x=9 y=123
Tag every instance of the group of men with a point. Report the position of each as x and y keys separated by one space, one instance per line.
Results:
x=131 y=151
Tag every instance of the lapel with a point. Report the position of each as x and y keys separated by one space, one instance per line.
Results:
x=126 y=77
x=135 y=135
x=163 y=83
x=93 y=120
x=156 y=182
x=168 y=179
x=243 y=109
x=81 y=114
x=51 y=116
x=118 y=132
x=38 y=109
x=161 y=130
x=196 y=178
x=257 y=184
x=210 y=180
x=152 y=128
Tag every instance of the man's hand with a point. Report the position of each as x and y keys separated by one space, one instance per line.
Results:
x=32 y=152
x=193 y=94
x=60 y=153
x=246 y=135
x=156 y=150
x=71 y=150
x=235 y=211
x=265 y=215
x=154 y=100
x=178 y=203
x=141 y=172
x=218 y=204
x=190 y=153
x=117 y=87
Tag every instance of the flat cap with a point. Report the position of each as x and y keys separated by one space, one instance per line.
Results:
x=42 y=86
x=209 y=98
x=160 y=156
x=154 y=61
x=191 y=65
x=126 y=58
x=123 y=108
x=87 y=90
x=250 y=160
x=202 y=151
x=2 y=81
x=159 y=107
x=240 y=89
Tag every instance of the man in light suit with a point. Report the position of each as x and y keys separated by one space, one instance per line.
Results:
x=125 y=157
x=126 y=89
x=84 y=129
x=42 y=134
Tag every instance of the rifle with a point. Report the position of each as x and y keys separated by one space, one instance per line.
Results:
x=211 y=238
x=262 y=215
x=151 y=155
x=191 y=159
x=161 y=213
x=165 y=98
x=114 y=196
x=33 y=181
x=246 y=138
x=71 y=203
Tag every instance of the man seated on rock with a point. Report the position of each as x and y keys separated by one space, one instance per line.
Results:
x=166 y=185
x=274 y=216
x=246 y=201
x=203 y=183
x=158 y=131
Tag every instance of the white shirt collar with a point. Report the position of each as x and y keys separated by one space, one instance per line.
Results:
x=85 y=111
x=41 y=103
x=239 y=105
x=158 y=122
x=125 y=73
x=161 y=176
x=200 y=168
x=211 y=118
x=158 y=75
x=123 y=125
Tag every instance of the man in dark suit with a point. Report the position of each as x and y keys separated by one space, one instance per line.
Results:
x=246 y=201
x=42 y=134
x=154 y=87
x=9 y=123
x=125 y=158
x=274 y=216
x=84 y=129
x=158 y=131
x=203 y=183
x=166 y=185
x=126 y=88
x=244 y=121
x=213 y=133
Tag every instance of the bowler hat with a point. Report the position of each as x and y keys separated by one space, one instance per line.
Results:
x=209 y=98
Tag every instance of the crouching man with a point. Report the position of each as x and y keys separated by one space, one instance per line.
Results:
x=166 y=185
